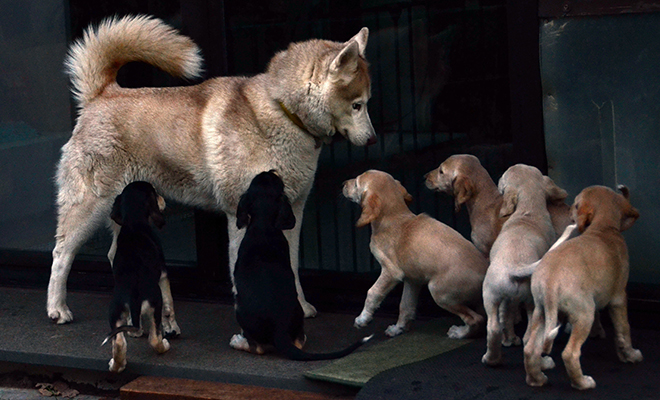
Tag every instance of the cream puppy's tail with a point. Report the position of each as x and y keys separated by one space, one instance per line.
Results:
x=93 y=61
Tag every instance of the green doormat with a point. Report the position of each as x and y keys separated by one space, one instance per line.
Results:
x=425 y=340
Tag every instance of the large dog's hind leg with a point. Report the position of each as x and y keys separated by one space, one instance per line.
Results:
x=76 y=223
x=170 y=327
x=293 y=237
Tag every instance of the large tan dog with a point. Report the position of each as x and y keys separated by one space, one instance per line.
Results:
x=524 y=239
x=200 y=145
x=463 y=177
x=417 y=250
x=578 y=277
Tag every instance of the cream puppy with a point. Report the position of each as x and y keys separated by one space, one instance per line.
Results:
x=416 y=250
x=525 y=237
x=579 y=277
x=463 y=177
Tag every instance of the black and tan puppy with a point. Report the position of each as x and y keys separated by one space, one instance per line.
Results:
x=267 y=306
x=138 y=269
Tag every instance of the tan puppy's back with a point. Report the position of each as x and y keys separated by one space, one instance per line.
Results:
x=427 y=249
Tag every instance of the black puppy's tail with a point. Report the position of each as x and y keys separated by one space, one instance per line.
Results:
x=118 y=330
x=284 y=345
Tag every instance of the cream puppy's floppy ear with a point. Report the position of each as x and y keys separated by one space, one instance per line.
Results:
x=463 y=191
x=553 y=192
x=370 y=209
x=629 y=214
x=584 y=214
x=406 y=196
x=509 y=203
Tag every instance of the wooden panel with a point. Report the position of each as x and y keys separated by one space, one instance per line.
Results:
x=158 y=388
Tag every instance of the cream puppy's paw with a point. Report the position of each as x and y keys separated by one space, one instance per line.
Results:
x=537 y=381
x=458 y=332
x=630 y=355
x=513 y=341
x=362 y=320
x=584 y=383
x=547 y=363
x=394 y=330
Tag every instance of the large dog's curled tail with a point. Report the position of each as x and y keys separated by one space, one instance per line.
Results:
x=284 y=345
x=93 y=61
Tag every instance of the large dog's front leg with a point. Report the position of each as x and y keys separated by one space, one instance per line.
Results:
x=293 y=237
x=235 y=239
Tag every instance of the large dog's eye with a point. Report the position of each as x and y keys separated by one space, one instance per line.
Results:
x=357 y=106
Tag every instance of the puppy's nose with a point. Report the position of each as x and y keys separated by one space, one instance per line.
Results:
x=372 y=140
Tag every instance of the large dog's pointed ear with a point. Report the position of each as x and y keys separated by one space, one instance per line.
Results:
x=285 y=219
x=156 y=214
x=584 y=214
x=115 y=214
x=553 y=193
x=346 y=62
x=370 y=210
x=361 y=38
x=243 y=212
x=509 y=203
x=463 y=191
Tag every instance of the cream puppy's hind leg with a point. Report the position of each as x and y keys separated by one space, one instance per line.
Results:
x=624 y=349
x=407 y=309
x=573 y=350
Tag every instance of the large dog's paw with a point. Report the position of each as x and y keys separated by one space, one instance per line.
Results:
x=60 y=314
x=308 y=309
x=239 y=342
x=394 y=330
x=116 y=366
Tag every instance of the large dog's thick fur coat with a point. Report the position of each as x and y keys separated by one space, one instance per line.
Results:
x=199 y=145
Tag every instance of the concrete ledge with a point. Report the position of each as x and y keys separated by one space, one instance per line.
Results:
x=201 y=353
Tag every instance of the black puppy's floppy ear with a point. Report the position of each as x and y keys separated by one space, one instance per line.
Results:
x=242 y=212
x=115 y=214
x=285 y=218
